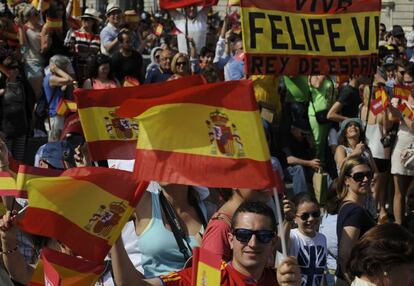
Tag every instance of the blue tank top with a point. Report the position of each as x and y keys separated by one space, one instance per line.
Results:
x=160 y=252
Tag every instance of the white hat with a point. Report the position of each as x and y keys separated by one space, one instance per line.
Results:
x=112 y=7
x=91 y=13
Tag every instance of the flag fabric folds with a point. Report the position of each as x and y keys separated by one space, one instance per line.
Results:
x=58 y=269
x=173 y=4
x=85 y=208
x=7 y=184
x=209 y=135
x=380 y=101
x=112 y=137
x=65 y=107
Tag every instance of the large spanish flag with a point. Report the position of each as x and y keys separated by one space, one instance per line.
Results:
x=173 y=4
x=209 y=135
x=108 y=135
x=85 y=208
x=60 y=269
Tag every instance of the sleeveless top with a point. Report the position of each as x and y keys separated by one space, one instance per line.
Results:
x=160 y=252
x=373 y=137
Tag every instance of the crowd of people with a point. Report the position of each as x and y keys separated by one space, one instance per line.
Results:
x=360 y=231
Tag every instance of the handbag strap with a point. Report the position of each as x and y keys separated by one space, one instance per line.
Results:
x=176 y=228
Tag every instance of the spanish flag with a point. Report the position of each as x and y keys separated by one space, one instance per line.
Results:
x=206 y=268
x=209 y=135
x=85 y=208
x=173 y=4
x=58 y=269
x=406 y=111
x=159 y=29
x=26 y=173
x=401 y=91
x=65 y=107
x=108 y=135
x=7 y=184
x=54 y=24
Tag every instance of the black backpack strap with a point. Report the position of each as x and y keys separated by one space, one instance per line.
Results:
x=176 y=228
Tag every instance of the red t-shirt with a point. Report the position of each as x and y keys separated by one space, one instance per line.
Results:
x=229 y=277
x=215 y=237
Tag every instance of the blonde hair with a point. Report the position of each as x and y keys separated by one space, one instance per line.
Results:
x=346 y=169
x=175 y=60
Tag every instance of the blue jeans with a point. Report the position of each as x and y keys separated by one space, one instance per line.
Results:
x=297 y=175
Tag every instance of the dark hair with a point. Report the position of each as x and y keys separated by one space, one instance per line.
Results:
x=332 y=200
x=257 y=208
x=410 y=70
x=379 y=250
x=95 y=62
x=304 y=197
x=123 y=32
x=342 y=137
x=204 y=51
x=401 y=62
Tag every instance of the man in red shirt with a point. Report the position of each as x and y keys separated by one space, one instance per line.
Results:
x=253 y=239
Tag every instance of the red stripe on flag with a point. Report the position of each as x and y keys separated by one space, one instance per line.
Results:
x=176 y=164
x=208 y=94
x=173 y=4
x=43 y=172
x=72 y=262
x=315 y=7
x=124 y=150
x=116 y=96
x=57 y=226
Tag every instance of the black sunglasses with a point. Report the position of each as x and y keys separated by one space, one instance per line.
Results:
x=306 y=216
x=244 y=235
x=181 y=63
x=360 y=176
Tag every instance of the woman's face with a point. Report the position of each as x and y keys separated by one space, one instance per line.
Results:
x=307 y=218
x=359 y=180
x=103 y=70
x=352 y=130
x=88 y=23
x=182 y=66
x=409 y=82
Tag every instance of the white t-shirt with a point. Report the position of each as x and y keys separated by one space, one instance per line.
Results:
x=197 y=29
x=311 y=254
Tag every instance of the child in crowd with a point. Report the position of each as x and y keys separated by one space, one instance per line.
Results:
x=306 y=243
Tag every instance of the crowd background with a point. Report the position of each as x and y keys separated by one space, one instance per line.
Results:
x=317 y=124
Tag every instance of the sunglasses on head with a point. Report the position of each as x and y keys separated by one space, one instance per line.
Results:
x=306 y=216
x=244 y=235
x=360 y=176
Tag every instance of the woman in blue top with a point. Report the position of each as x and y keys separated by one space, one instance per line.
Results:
x=160 y=251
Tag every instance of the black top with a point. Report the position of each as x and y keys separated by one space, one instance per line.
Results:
x=350 y=100
x=127 y=66
x=352 y=214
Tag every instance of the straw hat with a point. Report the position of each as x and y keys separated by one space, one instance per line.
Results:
x=91 y=14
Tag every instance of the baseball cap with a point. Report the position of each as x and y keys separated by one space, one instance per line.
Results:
x=389 y=61
x=58 y=155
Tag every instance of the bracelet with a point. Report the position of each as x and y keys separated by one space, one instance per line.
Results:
x=10 y=251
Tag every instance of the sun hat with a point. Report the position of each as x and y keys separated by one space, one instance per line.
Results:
x=111 y=7
x=91 y=14
x=346 y=122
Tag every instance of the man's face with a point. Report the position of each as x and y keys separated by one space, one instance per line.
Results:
x=400 y=74
x=251 y=256
x=115 y=17
x=165 y=60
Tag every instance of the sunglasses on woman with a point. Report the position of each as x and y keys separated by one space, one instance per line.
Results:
x=244 y=235
x=360 y=176
x=181 y=63
x=306 y=216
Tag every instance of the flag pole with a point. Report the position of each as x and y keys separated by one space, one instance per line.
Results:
x=281 y=230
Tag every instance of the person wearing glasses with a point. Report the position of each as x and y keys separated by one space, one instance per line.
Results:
x=305 y=242
x=163 y=72
x=354 y=184
x=180 y=66
x=252 y=238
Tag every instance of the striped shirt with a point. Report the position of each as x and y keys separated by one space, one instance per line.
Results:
x=86 y=44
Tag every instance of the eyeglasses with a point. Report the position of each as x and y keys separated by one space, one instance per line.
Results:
x=181 y=63
x=306 y=216
x=360 y=176
x=244 y=235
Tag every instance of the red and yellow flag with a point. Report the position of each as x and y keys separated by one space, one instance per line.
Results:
x=209 y=135
x=380 y=101
x=60 y=269
x=54 y=24
x=45 y=4
x=65 y=107
x=206 y=268
x=108 y=135
x=406 y=111
x=7 y=184
x=401 y=91
x=158 y=30
x=85 y=208
x=173 y=4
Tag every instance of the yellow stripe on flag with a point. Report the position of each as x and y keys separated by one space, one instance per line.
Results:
x=76 y=9
x=154 y=133
x=267 y=38
x=80 y=211
x=207 y=275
